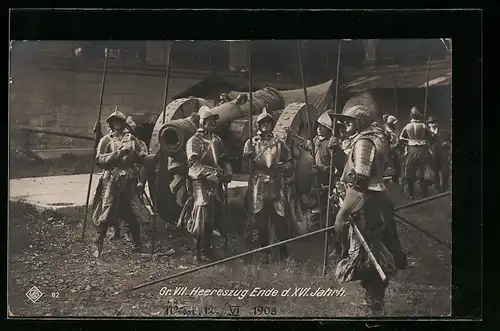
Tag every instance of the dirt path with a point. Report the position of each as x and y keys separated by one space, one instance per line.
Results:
x=45 y=252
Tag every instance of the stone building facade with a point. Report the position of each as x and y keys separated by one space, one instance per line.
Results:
x=56 y=85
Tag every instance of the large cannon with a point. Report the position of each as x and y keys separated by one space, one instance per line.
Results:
x=181 y=123
x=173 y=134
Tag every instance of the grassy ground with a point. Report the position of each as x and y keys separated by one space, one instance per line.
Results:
x=44 y=251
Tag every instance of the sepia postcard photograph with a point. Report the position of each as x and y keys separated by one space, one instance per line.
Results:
x=300 y=178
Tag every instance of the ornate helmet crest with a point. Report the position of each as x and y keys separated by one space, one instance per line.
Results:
x=325 y=120
x=264 y=115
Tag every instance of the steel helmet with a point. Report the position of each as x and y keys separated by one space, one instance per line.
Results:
x=205 y=113
x=361 y=113
x=391 y=120
x=264 y=115
x=415 y=113
x=326 y=120
x=116 y=114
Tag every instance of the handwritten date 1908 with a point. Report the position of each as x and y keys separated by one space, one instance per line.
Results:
x=264 y=310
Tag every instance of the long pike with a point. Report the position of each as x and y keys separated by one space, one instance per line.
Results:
x=311 y=134
x=96 y=142
x=160 y=154
x=332 y=167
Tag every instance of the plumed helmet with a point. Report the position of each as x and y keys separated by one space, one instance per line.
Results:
x=264 y=116
x=432 y=119
x=384 y=117
x=326 y=120
x=391 y=120
x=131 y=124
x=116 y=114
x=205 y=113
x=415 y=113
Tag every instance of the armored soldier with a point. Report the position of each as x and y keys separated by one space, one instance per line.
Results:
x=322 y=160
x=118 y=153
x=209 y=167
x=272 y=166
x=440 y=144
x=364 y=199
x=141 y=174
x=417 y=136
x=394 y=159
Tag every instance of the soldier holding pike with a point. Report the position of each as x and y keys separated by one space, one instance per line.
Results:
x=119 y=153
x=321 y=146
x=272 y=164
x=363 y=200
x=209 y=168
x=417 y=136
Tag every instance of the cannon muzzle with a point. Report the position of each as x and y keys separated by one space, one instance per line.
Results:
x=174 y=134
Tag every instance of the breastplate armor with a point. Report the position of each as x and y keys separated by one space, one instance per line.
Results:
x=379 y=141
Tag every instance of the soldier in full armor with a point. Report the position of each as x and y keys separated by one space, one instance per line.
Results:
x=141 y=173
x=322 y=160
x=272 y=166
x=119 y=154
x=440 y=144
x=394 y=159
x=417 y=137
x=209 y=167
x=365 y=199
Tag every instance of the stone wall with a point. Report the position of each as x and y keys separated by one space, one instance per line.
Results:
x=67 y=100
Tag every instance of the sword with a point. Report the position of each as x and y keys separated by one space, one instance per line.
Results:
x=365 y=244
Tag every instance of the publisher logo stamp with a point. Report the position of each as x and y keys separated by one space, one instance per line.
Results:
x=34 y=294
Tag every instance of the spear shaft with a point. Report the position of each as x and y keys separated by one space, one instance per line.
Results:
x=250 y=133
x=161 y=155
x=96 y=142
x=310 y=125
x=332 y=167
x=427 y=87
x=395 y=84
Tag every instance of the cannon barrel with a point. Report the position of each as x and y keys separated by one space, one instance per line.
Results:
x=314 y=93
x=174 y=134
